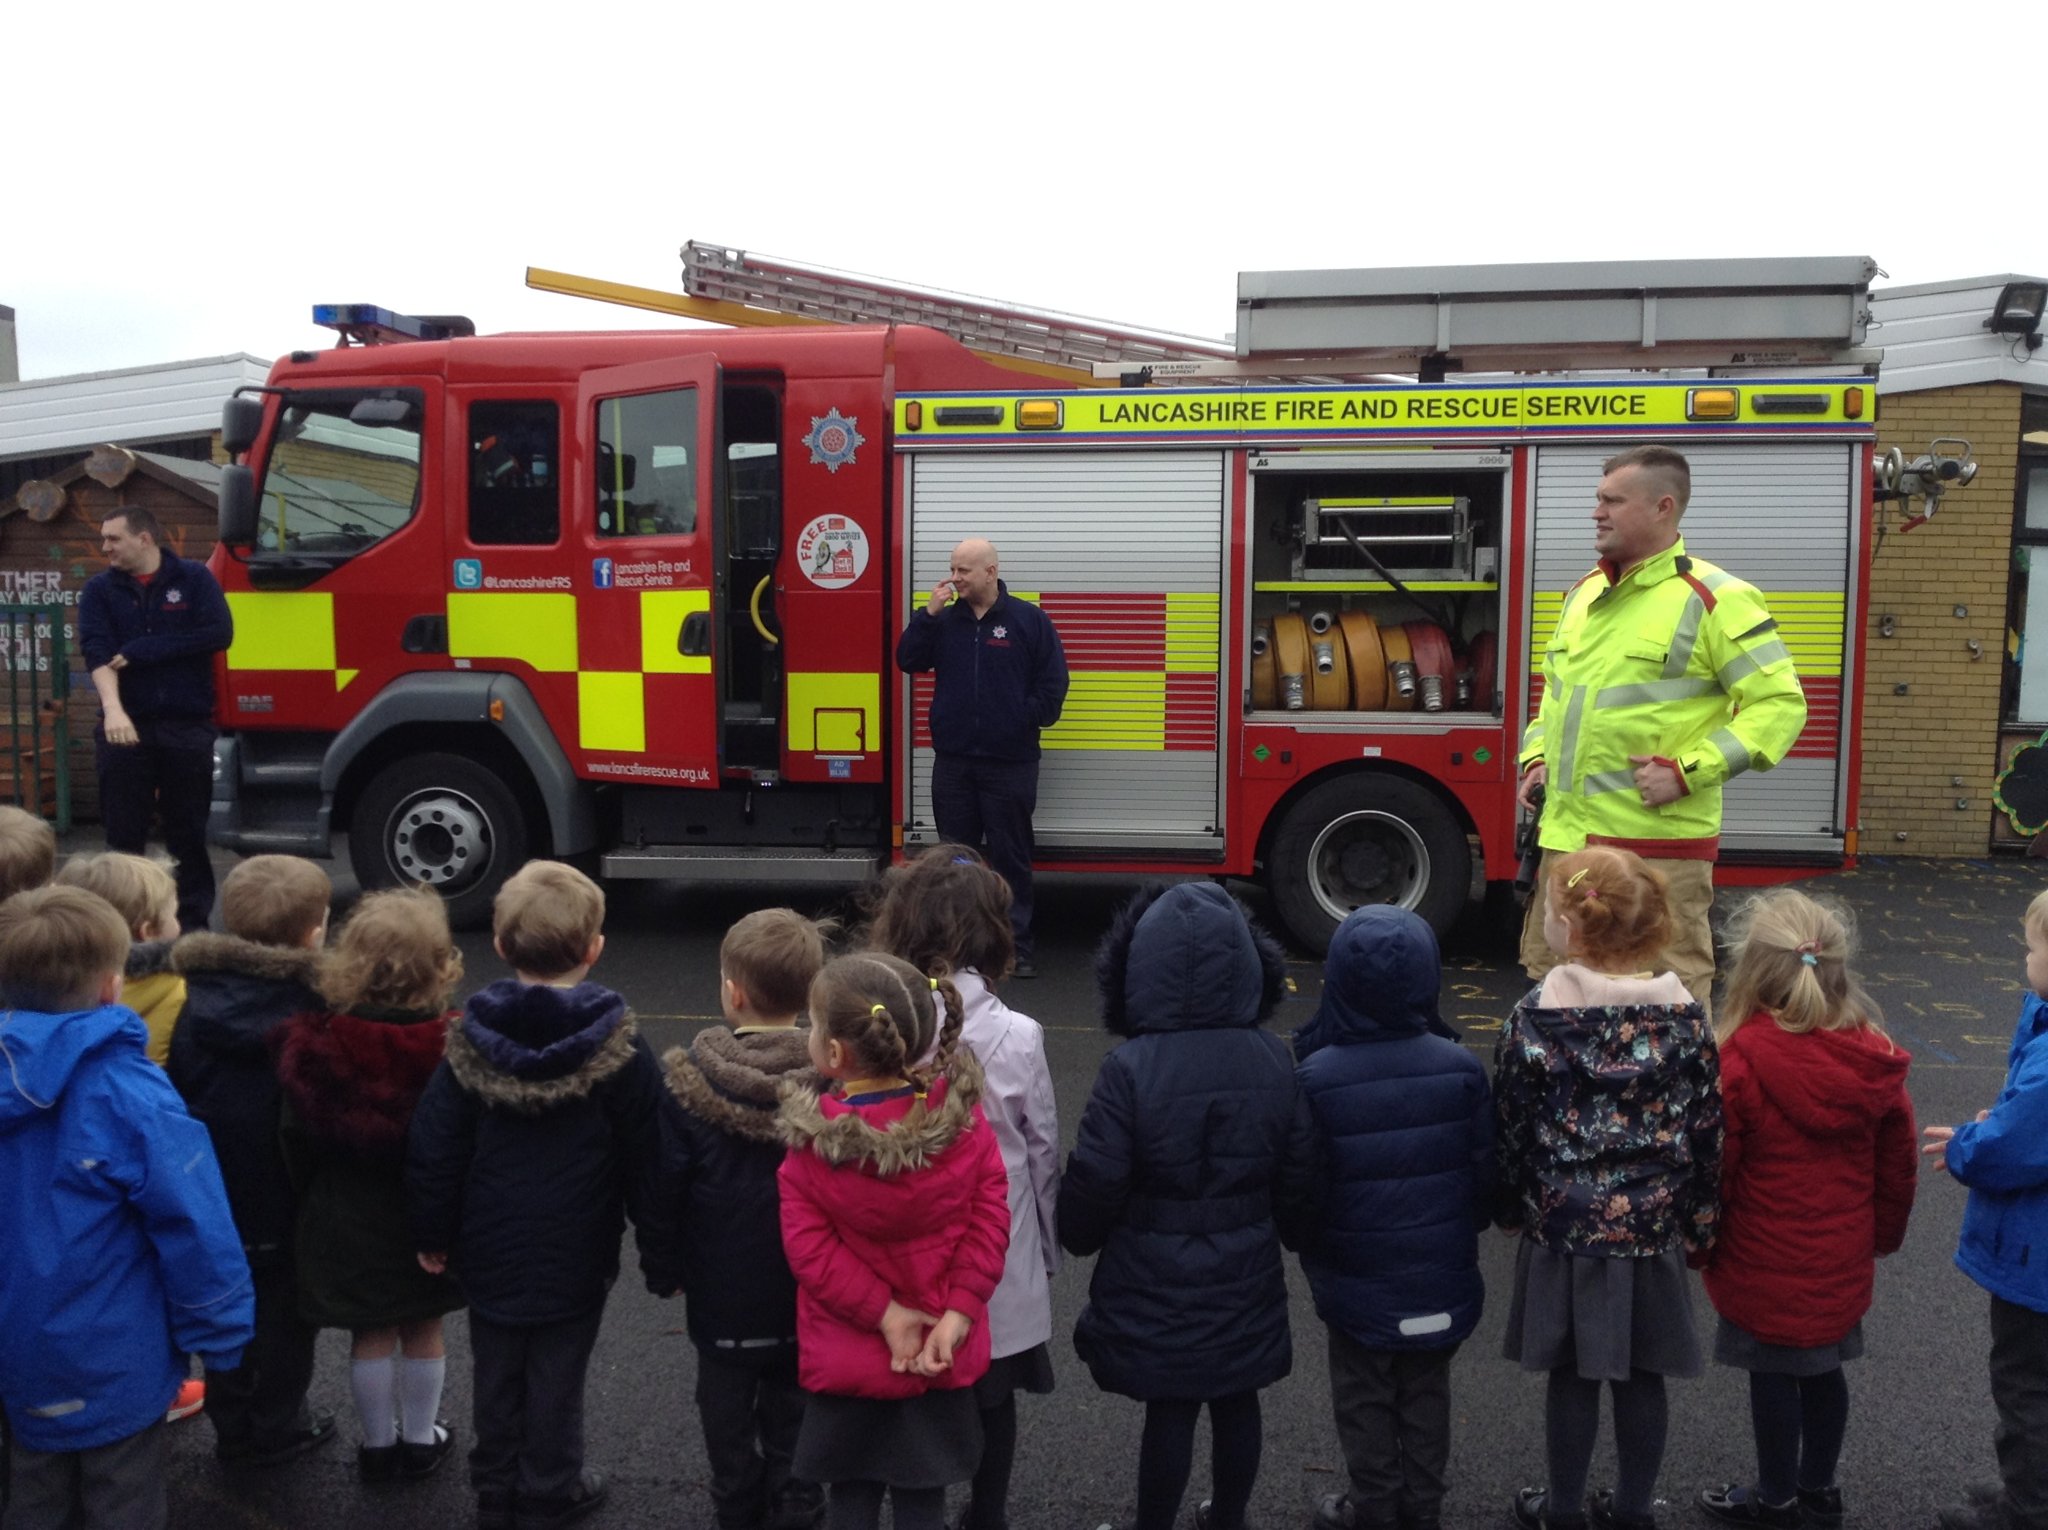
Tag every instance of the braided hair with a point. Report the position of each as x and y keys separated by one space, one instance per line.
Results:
x=889 y=1016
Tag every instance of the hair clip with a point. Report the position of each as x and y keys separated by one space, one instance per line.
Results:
x=877 y=1009
x=1809 y=958
x=1577 y=876
x=935 y=984
x=1809 y=952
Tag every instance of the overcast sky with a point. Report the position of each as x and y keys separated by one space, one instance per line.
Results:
x=188 y=180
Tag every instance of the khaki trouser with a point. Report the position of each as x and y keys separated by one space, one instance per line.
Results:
x=1690 y=889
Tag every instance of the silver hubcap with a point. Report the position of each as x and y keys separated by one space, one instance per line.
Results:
x=440 y=837
x=1365 y=858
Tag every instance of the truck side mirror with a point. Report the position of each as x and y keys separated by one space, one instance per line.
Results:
x=238 y=506
x=241 y=421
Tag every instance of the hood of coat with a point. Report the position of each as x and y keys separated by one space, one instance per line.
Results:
x=735 y=1082
x=1827 y=1082
x=1611 y=1043
x=148 y=958
x=1187 y=957
x=246 y=982
x=529 y=1047
x=1381 y=980
x=40 y=1053
x=890 y=1136
x=354 y=1080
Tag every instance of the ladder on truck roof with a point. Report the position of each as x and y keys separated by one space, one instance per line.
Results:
x=840 y=297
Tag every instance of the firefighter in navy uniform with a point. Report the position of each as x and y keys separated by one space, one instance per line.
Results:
x=999 y=675
x=1664 y=678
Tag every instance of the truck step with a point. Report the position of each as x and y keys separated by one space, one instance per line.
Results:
x=742 y=863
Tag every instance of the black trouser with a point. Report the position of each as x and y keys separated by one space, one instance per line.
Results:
x=261 y=1404
x=1166 y=1455
x=2019 y=1390
x=119 y=1484
x=528 y=1405
x=975 y=799
x=168 y=773
x=1393 y=1410
x=751 y=1410
x=1799 y=1422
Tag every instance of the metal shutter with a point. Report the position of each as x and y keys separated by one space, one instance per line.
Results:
x=1780 y=515
x=1125 y=552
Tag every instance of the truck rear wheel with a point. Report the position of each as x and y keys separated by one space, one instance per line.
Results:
x=1366 y=839
x=443 y=820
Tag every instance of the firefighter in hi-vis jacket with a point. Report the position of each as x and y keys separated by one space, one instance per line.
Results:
x=1664 y=678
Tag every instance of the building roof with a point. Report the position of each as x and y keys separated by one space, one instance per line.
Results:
x=132 y=405
x=1933 y=336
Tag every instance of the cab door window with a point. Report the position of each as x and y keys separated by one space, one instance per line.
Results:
x=515 y=496
x=646 y=465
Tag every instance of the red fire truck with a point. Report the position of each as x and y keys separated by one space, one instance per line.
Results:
x=632 y=597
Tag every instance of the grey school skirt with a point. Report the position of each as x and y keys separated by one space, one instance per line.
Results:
x=1742 y=1349
x=1603 y=1317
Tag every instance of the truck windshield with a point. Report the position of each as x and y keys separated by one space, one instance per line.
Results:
x=333 y=486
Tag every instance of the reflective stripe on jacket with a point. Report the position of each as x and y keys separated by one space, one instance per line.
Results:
x=1677 y=660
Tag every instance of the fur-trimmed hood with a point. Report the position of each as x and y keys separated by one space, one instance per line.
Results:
x=890 y=1136
x=237 y=990
x=148 y=958
x=1185 y=958
x=205 y=951
x=734 y=1082
x=354 y=1080
x=530 y=1047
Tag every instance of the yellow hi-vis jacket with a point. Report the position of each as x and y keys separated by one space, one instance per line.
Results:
x=1674 y=659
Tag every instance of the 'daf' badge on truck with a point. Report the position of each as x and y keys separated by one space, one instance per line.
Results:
x=833 y=440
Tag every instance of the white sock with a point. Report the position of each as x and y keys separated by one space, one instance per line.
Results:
x=372 y=1382
x=419 y=1396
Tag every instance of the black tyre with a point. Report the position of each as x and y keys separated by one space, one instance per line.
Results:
x=1365 y=839
x=444 y=820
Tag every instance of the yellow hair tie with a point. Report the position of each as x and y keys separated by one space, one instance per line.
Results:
x=878 y=1009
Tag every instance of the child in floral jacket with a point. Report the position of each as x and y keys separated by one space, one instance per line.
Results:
x=1607 y=1085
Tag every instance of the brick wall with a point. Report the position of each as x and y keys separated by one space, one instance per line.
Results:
x=1946 y=725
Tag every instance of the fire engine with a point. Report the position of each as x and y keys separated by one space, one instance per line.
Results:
x=632 y=596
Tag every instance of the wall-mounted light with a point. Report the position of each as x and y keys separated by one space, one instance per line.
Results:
x=2018 y=311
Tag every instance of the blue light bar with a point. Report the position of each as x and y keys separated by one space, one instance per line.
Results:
x=367 y=324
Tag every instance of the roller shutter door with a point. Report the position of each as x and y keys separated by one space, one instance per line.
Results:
x=1780 y=515
x=1124 y=551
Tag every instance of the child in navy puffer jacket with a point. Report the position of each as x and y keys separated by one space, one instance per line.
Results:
x=1193 y=1163
x=1404 y=1129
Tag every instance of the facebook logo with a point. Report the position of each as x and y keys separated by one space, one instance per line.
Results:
x=601 y=573
x=469 y=574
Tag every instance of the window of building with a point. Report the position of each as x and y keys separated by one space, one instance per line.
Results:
x=647 y=465
x=515 y=496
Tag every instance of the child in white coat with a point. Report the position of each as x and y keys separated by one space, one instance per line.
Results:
x=948 y=912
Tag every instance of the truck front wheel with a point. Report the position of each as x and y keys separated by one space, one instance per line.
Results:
x=1366 y=839
x=443 y=820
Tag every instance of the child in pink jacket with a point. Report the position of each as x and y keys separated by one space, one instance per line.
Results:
x=896 y=1219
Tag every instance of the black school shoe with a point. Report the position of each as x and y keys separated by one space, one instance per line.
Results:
x=1821 y=1506
x=377 y=1463
x=416 y=1461
x=551 y=1513
x=318 y=1431
x=1532 y=1512
x=1738 y=1505
x=493 y=1509
x=1604 y=1516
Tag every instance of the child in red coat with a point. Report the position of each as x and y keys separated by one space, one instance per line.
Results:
x=896 y=1219
x=1817 y=1178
